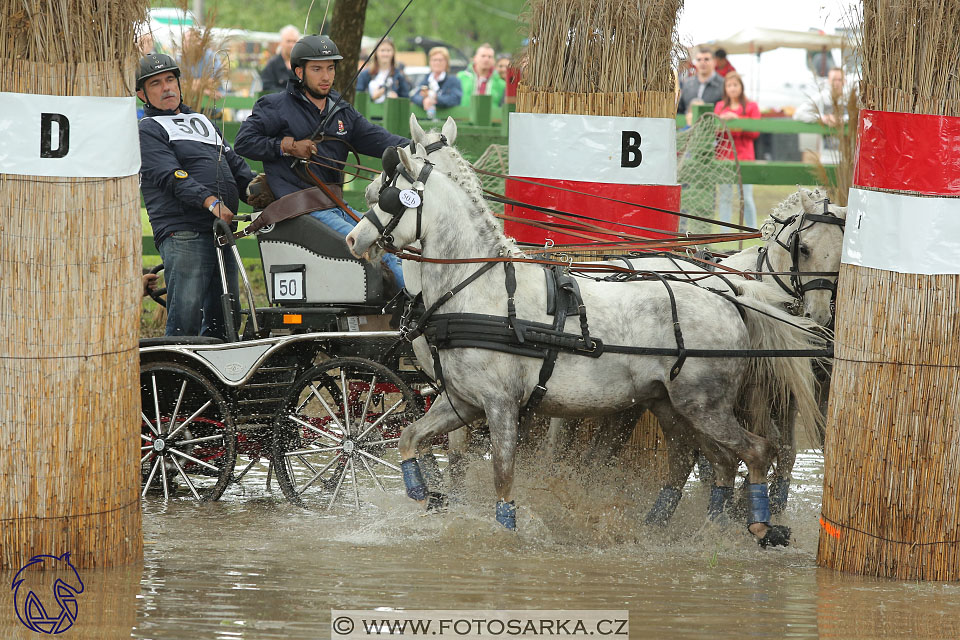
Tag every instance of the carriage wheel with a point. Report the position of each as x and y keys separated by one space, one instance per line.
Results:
x=187 y=438
x=336 y=436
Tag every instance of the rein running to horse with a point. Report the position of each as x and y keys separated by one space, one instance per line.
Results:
x=397 y=202
x=633 y=242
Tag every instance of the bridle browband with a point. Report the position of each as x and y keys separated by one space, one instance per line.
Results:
x=797 y=288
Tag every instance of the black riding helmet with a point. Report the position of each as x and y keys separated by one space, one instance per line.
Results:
x=151 y=65
x=154 y=63
x=313 y=48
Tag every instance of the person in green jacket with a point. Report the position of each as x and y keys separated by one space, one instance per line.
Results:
x=482 y=79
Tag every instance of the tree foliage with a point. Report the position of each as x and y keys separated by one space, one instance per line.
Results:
x=462 y=23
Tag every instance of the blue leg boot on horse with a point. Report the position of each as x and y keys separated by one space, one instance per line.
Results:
x=776 y=535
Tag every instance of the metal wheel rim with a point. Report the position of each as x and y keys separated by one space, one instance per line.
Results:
x=343 y=453
x=187 y=440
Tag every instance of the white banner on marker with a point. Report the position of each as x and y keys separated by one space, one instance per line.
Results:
x=68 y=136
x=902 y=233
x=607 y=149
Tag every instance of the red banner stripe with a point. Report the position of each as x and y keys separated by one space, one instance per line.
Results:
x=662 y=196
x=908 y=152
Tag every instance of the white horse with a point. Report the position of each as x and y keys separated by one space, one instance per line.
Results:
x=800 y=236
x=797 y=237
x=696 y=405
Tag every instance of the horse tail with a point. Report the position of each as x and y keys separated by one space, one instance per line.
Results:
x=775 y=384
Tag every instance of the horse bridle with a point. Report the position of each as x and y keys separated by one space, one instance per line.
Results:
x=797 y=289
x=396 y=201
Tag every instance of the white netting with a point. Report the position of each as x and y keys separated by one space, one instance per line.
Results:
x=496 y=160
x=708 y=182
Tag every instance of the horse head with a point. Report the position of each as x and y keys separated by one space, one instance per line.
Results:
x=401 y=190
x=805 y=235
x=431 y=142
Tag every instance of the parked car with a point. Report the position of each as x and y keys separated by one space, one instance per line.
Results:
x=458 y=59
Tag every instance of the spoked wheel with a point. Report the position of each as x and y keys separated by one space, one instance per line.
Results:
x=336 y=437
x=187 y=439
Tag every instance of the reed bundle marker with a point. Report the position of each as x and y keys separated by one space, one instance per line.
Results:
x=70 y=245
x=891 y=496
x=594 y=116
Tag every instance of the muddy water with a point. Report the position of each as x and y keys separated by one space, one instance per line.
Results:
x=251 y=566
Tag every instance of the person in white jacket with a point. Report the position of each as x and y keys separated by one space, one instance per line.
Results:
x=821 y=109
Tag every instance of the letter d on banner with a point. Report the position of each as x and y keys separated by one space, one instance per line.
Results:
x=46 y=135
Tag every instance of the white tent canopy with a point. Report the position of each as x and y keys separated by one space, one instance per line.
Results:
x=759 y=39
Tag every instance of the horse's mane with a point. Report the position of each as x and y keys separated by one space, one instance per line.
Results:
x=466 y=178
x=788 y=207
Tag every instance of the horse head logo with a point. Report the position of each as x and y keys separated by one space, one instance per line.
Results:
x=31 y=610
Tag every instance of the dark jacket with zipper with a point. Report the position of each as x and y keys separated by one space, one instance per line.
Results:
x=177 y=176
x=290 y=113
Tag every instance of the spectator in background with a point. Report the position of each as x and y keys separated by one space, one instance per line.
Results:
x=733 y=106
x=146 y=44
x=503 y=65
x=821 y=109
x=278 y=72
x=203 y=64
x=439 y=88
x=723 y=65
x=481 y=79
x=706 y=87
x=384 y=79
x=514 y=74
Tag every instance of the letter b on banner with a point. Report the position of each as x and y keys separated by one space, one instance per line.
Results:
x=47 y=150
x=630 y=155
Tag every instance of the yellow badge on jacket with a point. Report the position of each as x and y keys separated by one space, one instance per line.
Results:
x=179 y=173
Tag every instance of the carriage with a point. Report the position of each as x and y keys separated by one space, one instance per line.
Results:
x=355 y=417
x=319 y=384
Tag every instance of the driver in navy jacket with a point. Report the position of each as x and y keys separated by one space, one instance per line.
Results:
x=282 y=126
x=188 y=178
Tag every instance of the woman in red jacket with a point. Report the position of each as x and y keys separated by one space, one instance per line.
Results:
x=733 y=106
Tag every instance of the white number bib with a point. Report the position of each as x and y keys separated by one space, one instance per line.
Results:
x=189 y=126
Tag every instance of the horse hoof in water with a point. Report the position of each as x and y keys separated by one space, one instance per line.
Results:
x=507 y=514
x=777 y=536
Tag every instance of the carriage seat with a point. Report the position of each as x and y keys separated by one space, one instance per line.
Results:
x=164 y=341
x=331 y=275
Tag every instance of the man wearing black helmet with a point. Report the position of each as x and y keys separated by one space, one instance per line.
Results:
x=188 y=178
x=283 y=125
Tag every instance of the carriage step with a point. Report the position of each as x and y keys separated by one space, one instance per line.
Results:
x=273 y=369
x=256 y=421
x=265 y=385
x=273 y=401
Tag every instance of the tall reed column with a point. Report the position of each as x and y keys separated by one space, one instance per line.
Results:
x=611 y=63
x=69 y=282
x=891 y=495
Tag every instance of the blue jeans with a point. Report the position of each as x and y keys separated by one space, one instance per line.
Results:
x=342 y=223
x=192 y=276
x=725 y=197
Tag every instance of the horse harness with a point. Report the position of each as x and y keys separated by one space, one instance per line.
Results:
x=797 y=289
x=513 y=335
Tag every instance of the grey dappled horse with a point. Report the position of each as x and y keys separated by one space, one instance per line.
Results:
x=792 y=240
x=696 y=407
x=800 y=235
